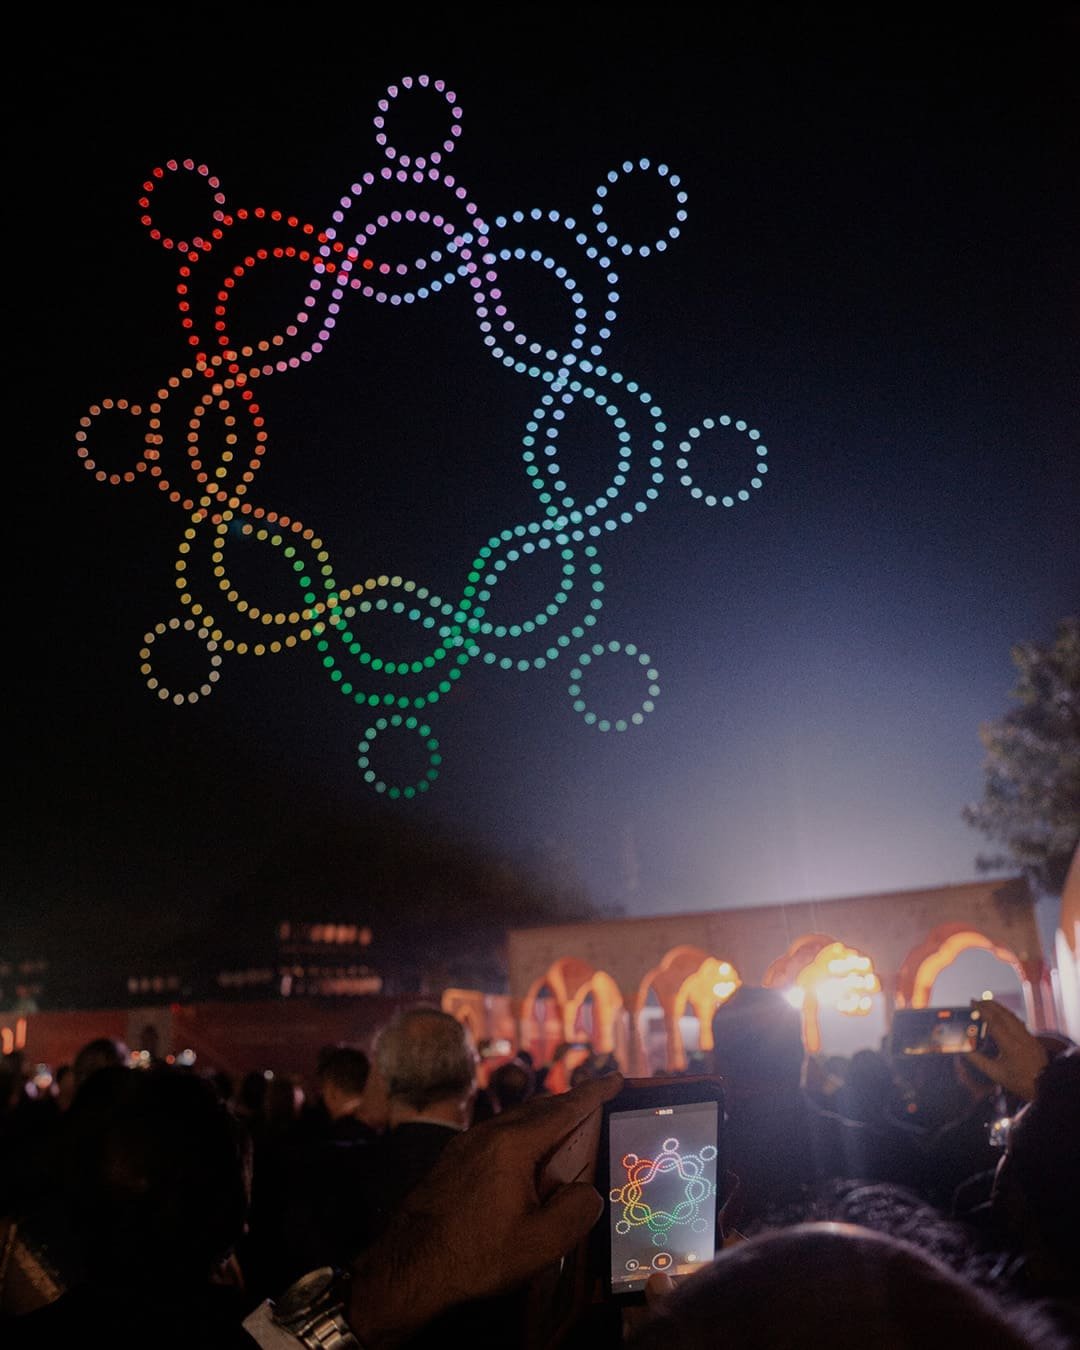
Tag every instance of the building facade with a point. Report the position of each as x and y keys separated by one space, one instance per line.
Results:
x=643 y=988
x=624 y=984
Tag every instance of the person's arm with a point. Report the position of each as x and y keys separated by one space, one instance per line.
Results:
x=1020 y=1057
x=478 y=1225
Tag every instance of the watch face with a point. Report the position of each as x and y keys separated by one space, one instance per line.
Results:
x=307 y=1291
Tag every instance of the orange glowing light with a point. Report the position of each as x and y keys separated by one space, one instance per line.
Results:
x=946 y=954
x=838 y=977
x=841 y=978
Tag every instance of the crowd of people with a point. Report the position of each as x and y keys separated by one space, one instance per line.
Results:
x=929 y=1204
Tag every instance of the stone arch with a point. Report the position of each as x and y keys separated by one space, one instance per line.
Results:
x=687 y=975
x=925 y=962
x=572 y=981
x=607 y=1004
x=815 y=964
x=486 y=1016
x=564 y=978
x=645 y=1025
x=13 y=1038
x=583 y=1015
x=784 y=972
x=540 y=1021
x=785 y=969
x=662 y=951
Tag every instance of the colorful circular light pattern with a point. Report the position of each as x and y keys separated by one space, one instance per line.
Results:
x=691 y=1169
x=204 y=436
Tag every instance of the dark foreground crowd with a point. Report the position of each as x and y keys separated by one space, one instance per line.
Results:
x=161 y=1207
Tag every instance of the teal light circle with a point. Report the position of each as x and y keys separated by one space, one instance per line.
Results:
x=577 y=676
x=580 y=563
x=395 y=720
x=682 y=462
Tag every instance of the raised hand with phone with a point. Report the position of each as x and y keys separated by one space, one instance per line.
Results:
x=660 y=1164
x=1019 y=1056
x=509 y=1198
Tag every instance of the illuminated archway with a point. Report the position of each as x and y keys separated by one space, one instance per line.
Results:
x=540 y=1021
x=834 y=976
x=649 y=1028
x=944 y=944
x=711 y=985
x=783 y=971
x=607 y=1002
x=686 y=977
x=570 y=983
x=586 y=1017
x=13 y=1038
x=564 y=978
x=896 y=932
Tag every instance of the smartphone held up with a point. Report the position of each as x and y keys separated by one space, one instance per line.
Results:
x=660 y=1170
x=939 y=1031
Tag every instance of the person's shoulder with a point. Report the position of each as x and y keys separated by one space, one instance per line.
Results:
x=349 y=1131
x=412 y=1144
x=420 y=1129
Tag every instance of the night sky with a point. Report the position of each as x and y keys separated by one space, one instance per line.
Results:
x=876 y=271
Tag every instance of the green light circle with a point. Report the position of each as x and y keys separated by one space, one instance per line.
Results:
x=392 y=722
x=494 y=570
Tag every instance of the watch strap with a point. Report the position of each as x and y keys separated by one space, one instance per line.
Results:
x=331 y=1331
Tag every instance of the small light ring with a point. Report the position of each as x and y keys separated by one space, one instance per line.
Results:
x=577 y=676
x=394 y=92
x=599 y=209
x=203 y=635
x=197 y=243
x=431 y=745
x=713 y=424
x=84 y=449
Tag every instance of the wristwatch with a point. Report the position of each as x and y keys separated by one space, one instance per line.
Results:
x=313 y=1310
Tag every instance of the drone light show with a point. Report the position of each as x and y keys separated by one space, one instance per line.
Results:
x=205 y=437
